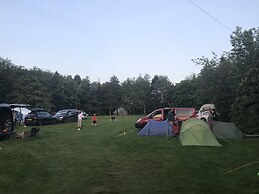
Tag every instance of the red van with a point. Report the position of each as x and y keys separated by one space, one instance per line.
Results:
x=160 y=114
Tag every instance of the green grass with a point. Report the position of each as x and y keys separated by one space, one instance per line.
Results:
x=103 y=160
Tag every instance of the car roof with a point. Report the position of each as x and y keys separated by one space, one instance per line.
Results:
x=169 y=108
x=207 y=106
x=13 y=105
x=4 y=105
x=66 y=110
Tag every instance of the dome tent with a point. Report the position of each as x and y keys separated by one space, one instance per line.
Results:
x=227 y=130
x=120 y=111
x=197 y=132
x=156 y=128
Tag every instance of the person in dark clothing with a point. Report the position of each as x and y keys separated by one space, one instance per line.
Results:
x=215 y=116
x=171 y=117
x=210 y=119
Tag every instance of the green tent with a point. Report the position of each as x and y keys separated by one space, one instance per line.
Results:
x=197 y=132
x=226 y=130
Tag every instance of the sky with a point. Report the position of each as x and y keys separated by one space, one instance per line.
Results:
x=122 y=38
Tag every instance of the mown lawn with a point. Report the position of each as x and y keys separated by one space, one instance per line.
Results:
x=104 y=160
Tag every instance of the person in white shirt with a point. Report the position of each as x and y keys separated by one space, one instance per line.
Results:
x=79 y=120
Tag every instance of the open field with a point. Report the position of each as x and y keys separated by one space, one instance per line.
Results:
x=104 y=160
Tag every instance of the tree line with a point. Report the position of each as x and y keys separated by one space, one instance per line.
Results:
x=230 y=81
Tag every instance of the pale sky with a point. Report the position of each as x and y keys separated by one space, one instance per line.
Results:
x=125 y=38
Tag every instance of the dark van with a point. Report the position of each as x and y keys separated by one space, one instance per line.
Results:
x=160 y=114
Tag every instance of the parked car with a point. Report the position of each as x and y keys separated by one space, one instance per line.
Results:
x=66 y=115
x=160 y=114
x=204 y=111
x=39 y=116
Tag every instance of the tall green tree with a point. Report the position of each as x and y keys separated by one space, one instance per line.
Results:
x=111 y=95
x=245 y=59
x=64 y=92
x=207 y=80
x=71 y=93
x=160 y=92
x=33 y=92
x=245 y=52
x=245 y=109
x=128 y=95
x=84 y=93
x=78 y=79
x=184 y=93
x=7 y=80
x=141 y=97
x=95 y=99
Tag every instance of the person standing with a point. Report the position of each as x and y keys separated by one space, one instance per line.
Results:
x=215 y=115
x=210 y=119
x=171 y=117
x=79 y=120
x=94 y=120
x=172 y=122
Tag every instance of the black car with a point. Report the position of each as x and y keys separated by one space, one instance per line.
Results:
x=39 y=117
x=66 y=115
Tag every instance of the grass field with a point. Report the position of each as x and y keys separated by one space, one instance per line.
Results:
x=104 y=160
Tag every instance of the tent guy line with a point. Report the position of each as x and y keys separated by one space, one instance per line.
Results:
x=245 y=165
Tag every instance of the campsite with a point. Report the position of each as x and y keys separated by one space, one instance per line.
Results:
x=129 y=97
x=104 y=159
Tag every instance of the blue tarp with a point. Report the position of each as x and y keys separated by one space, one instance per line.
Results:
x=156 y=128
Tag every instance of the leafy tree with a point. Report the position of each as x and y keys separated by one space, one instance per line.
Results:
x=184 y=93
x=245 y=110
x=7 y=80
x=84 y=93
x=207 y=80
x=111 y=95
x=78 y=79
x=224 y=93
x=32 y=92
x=64 y=92
x=129 y=94
x=71 y=93
x=159 y=92
x=141 y=97
x=245 y=60
x=245 y=52
x=95 y=98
